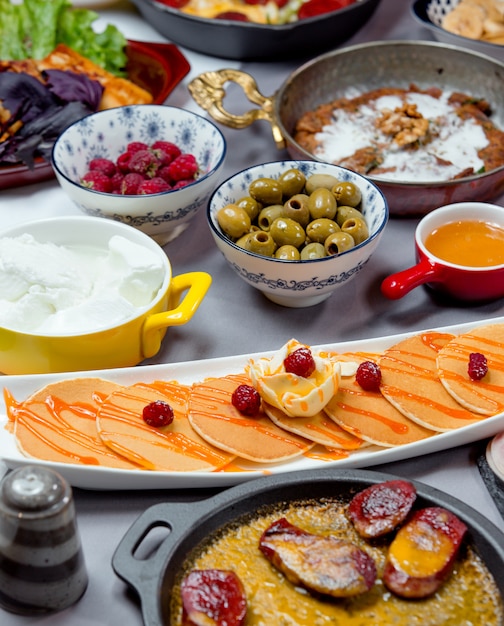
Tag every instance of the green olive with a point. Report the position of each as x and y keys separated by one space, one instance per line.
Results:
x=313 y=250
x=286 y=231
x=268 y=215
x=348 y=193
x=242 y=241
x=233 y=220
x=357 y=227
x=266 y=191
x=287 y=253
x=261 y=242
x=250 y=205
x=297 y=209
x=320 y=180
x=292 y=182
x=318 y=230
x=346 y=212
x=322 y=203
x=338 y=242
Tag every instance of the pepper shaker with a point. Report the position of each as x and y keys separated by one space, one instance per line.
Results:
x=42 y=566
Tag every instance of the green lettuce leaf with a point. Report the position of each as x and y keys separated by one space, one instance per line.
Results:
x=33 y=28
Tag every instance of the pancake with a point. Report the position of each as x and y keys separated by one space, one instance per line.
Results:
x=485 y=396
x=368 y=415
x=256 y=439
x=58 y=423
x=410 y=382
x=176 y=447
x=319 y=428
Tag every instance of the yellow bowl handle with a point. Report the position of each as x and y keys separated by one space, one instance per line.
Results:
x=197 y=284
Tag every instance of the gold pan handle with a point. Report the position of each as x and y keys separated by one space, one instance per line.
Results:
x=208 y=91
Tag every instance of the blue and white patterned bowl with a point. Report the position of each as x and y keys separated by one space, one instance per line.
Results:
x=298 y=283
x=106 y=134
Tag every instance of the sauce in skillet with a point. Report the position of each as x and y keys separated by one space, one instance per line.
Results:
x=470 y=595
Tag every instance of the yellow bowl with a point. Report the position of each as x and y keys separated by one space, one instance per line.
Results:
x=119 y=345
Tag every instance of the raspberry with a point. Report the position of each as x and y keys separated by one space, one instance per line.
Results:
x=106 y=166
x=144 y=162
x=164 y=174
x=138 y=163
x=135 y=146
x=166 y=151
x=183 y=167
x=158 y=414
x=300 y=362
x=96 y=180
x=123 y=162
x=130 y=183
x=478 y=366
x=368 y=376
x=182 y=183
x=116 y=181
x=153 y=185
x=247 y=400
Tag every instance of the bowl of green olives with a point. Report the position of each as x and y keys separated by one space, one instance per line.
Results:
x=297 y=230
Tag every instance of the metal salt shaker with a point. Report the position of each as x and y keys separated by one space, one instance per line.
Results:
x=42 y=566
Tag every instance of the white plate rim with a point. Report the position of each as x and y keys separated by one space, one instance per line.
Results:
x=103 y=478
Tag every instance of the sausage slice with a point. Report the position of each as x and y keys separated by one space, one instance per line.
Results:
x=213 y=597
x=379 y=509
x=323 y=564
x=422 y=554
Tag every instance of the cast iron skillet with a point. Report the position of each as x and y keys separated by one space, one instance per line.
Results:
x=190 y=524
x=230 y=39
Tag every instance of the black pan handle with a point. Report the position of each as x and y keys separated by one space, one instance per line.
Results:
x=143 y=574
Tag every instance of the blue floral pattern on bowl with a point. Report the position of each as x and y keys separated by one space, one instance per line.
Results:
x=298 y=283
x=106 y=134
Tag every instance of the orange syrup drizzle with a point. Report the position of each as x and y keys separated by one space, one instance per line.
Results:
x=394 y=426
x=327 y=455
x=166 y=438
x=453 y=412
x=221 y=398
x=328 y=425
x=29 y=419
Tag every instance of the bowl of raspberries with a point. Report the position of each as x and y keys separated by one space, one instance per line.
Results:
x=149 y=166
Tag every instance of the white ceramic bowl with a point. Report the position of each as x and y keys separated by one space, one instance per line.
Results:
x=298 y=283
x=430 y=13
x=106 y=134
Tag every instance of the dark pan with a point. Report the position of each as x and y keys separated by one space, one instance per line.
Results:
x=190 y=524
x=231 y=39
x=359 y=69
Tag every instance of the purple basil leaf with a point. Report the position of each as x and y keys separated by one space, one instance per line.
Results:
x=24 y=96
x=69 y=87
x=38 y=136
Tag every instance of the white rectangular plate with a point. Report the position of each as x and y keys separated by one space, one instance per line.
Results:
x=102 y=478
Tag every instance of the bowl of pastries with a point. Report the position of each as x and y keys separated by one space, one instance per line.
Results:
x=473 y=24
